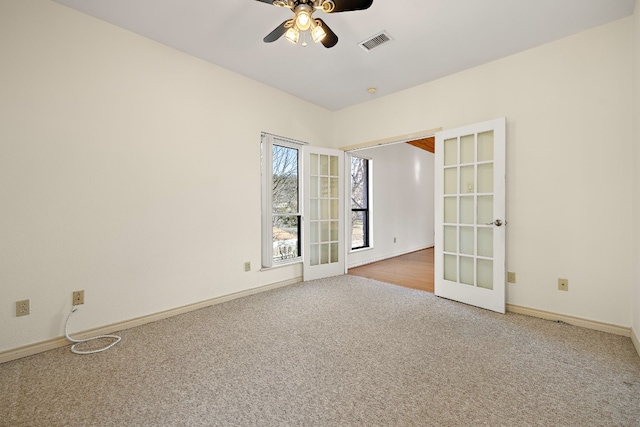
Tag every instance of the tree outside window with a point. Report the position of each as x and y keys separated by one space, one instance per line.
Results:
x=285 y=196
x=359 y=202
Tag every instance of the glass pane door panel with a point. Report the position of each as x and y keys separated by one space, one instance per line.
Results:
x=334 y=252
x=324 y=209
x=467 y=240
x=485 y=273
x=315 y=234
x=485 y=209
x=335 y=204
x=324 y=165
x=485 y=178
x=485 y=146
x=467 y=149
x=450 y=239
x=467 y=211
x=314 y=212
x=450 y=268
x=314 y=186
x=334 y=231
x=324 y=231
x=451 y=151
x=467 y=179
x=466 y=271
x=324 y=253
x=333 y=169
x=451 y=181
x=314 y=256
x=485 y=241
x=334 y=187
x=451 y=210
x=324 y=187
x=313 y=164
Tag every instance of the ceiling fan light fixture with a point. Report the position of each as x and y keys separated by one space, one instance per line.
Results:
x=303 y=20
x=292 y=35
x=317 y=33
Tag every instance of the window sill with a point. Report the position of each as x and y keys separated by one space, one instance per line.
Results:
x=282 y=264
x=355 y=251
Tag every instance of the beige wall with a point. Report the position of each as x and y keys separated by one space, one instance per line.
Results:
x=127 y=169
x=569 y=161
x=124 y=164
x=635 y=301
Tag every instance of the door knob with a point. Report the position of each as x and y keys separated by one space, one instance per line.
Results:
x=497 y=223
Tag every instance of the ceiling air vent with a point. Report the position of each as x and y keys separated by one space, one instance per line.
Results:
x=376 y=41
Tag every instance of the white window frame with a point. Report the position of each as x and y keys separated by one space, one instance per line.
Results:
x=267 y=143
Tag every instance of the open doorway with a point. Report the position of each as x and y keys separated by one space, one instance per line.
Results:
x=402 y=211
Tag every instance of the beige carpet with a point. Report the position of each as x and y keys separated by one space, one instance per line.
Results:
x=345 y=351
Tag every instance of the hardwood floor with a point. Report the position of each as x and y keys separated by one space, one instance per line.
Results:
x=413 y=270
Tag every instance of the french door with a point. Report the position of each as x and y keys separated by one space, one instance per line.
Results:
x=324 y=246
x=470 y=214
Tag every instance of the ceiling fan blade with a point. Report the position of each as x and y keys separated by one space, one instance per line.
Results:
x=349 y=5
x=277 y=33
x=331 y=39
x=266 y=1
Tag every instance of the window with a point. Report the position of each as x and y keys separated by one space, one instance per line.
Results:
x=281 y=201
x=360 y=202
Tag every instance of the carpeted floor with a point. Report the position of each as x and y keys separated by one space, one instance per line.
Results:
x=345 y=351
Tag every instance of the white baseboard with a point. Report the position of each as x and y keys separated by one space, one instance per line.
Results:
x=577 y=321
x=31 y=349
x=382 y=258
x=636 y=340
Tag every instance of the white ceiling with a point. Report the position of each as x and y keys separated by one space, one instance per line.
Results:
x=432 y=38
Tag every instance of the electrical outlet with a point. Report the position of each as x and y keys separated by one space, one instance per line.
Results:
x=394 y=240
x=511 y=277
x=22 y=308
x=247 y=266
x=78 y=297
x=563 y=284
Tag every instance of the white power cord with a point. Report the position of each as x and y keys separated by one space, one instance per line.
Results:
x=73 y=347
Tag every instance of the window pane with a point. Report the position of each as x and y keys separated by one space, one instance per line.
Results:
x=285 y=180
x=281 y=183
x=286 y=230
x=359 y=229
x=359 y=202
x=359 y=178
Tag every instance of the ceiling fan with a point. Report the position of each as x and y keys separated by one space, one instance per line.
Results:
x=303 y=21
